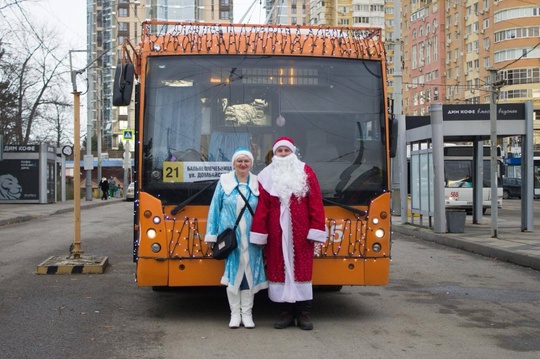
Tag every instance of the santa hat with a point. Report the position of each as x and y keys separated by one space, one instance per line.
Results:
x=242 y=151
x=284 y=141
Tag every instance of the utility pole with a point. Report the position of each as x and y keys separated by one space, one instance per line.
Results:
x=88 y=182
x=76 y=250
x=399 y=163
x=99 y=129
x=494 y=86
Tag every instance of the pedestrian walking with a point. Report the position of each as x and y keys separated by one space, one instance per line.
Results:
x=104 y=186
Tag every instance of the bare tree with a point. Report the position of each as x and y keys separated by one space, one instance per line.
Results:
x=38 y=75
x=8 y=98
x=61 y=130
x=10 y=3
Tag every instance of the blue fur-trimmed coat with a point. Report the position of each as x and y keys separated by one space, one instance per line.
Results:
x=224 y=209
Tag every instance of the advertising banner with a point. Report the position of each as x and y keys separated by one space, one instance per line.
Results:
x=19 y=179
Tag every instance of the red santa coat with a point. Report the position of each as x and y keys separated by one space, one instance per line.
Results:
x=289 y=232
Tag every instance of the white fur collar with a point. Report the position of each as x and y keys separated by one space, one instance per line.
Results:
x=229 y=183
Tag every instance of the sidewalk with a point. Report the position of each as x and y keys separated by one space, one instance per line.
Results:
x=512 y=245
x=16 y=213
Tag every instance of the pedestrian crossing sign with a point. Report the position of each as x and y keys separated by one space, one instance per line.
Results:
x=128 y=135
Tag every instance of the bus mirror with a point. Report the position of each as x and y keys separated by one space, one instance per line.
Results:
x=123 y=84
x=393 y=137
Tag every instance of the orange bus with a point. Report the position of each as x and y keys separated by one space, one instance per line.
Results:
x=203 y=90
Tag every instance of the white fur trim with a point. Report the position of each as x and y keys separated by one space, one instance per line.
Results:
x=229 y=183
x=317 y=235
x=258 y=238
x=277 y=292
x=284 y=143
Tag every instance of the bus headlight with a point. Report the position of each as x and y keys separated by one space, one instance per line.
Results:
x=155 y=247
x=379 y=233
x=375 y=220
x=156 y=220
x=151 y=233
x=376 y=247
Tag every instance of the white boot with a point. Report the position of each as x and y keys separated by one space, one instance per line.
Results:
x=234 y=304
x=246 y=300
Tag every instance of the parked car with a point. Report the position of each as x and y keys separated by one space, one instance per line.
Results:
x=130 y=194
x=511 y=187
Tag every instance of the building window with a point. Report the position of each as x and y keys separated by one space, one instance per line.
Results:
x=224 y=15
x=123 y=26
x=486 y=63
x=521 y=76
x=414 y=63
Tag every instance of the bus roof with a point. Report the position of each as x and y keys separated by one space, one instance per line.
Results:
x=176 y=38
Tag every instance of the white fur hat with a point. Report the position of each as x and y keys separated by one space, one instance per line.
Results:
x=242 y=151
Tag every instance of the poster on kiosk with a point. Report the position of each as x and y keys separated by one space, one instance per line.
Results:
x=27 y=174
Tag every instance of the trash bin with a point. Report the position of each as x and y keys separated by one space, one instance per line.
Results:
x=455 y=221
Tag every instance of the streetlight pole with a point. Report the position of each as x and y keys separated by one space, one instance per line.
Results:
x=88 y=186
x=99 y=129
x=76 y=251
x=493 y=163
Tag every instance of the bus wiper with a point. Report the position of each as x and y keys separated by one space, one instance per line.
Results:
x=358 y=212
x=179 y=207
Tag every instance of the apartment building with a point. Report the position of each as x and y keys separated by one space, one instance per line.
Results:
x=290 y=12
x=450 y=46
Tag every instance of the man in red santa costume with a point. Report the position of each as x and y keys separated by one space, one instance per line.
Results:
x=288 y=220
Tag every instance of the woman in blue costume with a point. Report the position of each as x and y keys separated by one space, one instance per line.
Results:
x=244 y=268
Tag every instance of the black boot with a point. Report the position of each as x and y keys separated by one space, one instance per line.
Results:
x=303 y=314
x=287 y=317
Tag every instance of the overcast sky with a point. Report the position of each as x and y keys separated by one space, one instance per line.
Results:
x=70 y=16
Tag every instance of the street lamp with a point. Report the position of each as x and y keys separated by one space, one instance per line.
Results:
x=76 y=247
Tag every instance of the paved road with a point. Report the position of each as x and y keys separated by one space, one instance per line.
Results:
x=441 y=303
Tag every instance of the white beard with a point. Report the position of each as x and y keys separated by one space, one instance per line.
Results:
x=289 y=177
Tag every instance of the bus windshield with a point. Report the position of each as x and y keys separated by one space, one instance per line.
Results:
x=199 y=109
x=458 y=173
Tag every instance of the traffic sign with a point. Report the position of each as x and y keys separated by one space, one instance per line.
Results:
x=128 y=135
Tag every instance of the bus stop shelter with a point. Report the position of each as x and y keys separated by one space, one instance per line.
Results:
x=470 y=123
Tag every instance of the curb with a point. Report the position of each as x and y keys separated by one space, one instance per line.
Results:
x=500 y=254
x=5 y=222
x=21 y=219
